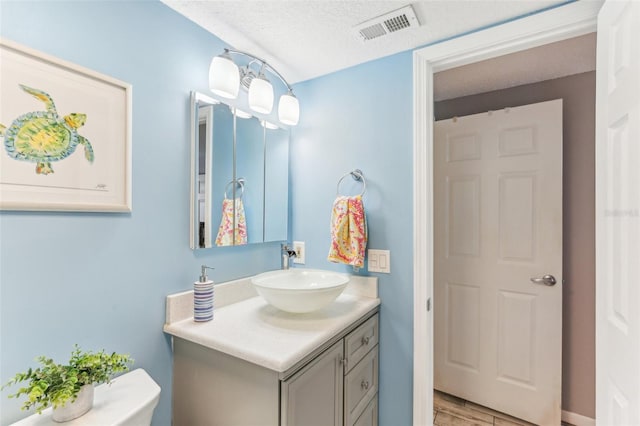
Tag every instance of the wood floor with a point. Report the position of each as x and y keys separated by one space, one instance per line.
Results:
x=449 y=410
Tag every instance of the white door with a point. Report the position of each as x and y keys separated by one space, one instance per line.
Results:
x=618 y=215
x=497 y=226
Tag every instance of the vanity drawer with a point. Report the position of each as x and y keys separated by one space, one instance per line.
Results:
x=360 y=341
x=361 y=385
x=369 y=416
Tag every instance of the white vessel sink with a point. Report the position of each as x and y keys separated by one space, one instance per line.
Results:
x=300 y=290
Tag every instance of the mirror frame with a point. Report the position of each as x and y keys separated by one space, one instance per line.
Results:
x=197 y=118
x=194 y=225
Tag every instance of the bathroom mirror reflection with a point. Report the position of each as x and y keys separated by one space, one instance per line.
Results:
x=239 y=182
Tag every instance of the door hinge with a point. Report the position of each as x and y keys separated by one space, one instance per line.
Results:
x=429 y=305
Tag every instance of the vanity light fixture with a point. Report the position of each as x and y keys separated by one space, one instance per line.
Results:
x=289 y=109
x=242 y=114
x=268 y=125
x=261 y=95
x=225 y=78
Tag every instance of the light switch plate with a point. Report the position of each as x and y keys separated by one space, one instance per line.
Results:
x=379 y=261
x=298 y=247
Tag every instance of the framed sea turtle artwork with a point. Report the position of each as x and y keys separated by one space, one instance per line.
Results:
x=65 y=135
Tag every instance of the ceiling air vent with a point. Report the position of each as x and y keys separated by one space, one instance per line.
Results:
x=387 y=24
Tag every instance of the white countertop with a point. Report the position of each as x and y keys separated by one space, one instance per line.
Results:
x=253 y=330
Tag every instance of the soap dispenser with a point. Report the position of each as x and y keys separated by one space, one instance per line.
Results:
x=203 y=297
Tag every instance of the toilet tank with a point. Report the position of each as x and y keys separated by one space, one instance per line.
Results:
x=128 y=401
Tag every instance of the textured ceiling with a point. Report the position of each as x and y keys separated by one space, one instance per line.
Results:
x=306 y=39
x=555 y=60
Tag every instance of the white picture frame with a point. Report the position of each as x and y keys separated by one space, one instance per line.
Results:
x=66 y=140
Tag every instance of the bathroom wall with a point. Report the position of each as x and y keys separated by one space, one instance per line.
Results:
x=578 y=322
x=362 y=118
x=99 y=279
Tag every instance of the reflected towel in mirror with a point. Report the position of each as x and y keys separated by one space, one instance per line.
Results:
x=226 y=230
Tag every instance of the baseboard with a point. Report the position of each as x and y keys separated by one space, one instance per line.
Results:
x=577 y=419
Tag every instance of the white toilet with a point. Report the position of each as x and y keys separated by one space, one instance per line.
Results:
x=128 y=401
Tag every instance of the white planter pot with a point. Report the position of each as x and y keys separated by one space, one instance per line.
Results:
x=75 y=409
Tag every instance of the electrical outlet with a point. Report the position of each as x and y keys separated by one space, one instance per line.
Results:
x=298 y=247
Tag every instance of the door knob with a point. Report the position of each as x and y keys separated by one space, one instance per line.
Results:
x=546 y=280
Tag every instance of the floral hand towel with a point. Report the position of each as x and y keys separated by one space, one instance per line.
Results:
x=348 y=231
x=226 y=231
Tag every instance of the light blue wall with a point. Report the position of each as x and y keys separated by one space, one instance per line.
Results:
x=362 y=118
x=100 y=280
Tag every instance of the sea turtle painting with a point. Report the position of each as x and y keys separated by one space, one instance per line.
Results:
x=42 y=137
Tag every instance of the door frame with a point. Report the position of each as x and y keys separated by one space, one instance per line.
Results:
x=570 y=20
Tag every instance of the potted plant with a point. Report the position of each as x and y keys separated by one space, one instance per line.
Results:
x=68 y=387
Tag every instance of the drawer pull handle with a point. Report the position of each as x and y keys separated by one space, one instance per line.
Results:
x=365 y=384
x=365 y=340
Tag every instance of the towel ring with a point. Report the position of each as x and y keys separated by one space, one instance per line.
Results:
x=239 y=182
x=358 y=176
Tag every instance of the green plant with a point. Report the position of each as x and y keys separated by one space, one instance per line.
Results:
x=56 y=384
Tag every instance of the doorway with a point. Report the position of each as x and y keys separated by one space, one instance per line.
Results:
x=569 y=21
x=577 y=91
x=497 y=233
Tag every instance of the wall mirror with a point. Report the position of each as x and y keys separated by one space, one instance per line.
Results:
x=239 y=179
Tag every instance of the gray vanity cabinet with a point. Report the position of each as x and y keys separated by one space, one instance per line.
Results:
x=335 y=385
x=339 y=387
x=313 y=396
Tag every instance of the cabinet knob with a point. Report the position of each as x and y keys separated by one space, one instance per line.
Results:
x=365 y=384
x=365 y=340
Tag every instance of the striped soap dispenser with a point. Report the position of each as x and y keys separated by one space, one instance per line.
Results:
x=203 y=297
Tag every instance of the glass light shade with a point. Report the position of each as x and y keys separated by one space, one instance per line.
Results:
x=289 y=109
x=242 y=114
x=224 y=77
x=269 y=125
x=261 y=95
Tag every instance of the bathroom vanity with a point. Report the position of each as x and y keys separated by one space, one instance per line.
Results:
x=256 y=365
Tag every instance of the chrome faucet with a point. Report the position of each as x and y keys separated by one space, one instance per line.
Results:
x=287 y=253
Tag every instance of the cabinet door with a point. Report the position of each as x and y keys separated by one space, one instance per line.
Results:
x=313 y=396
x=369 y=416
